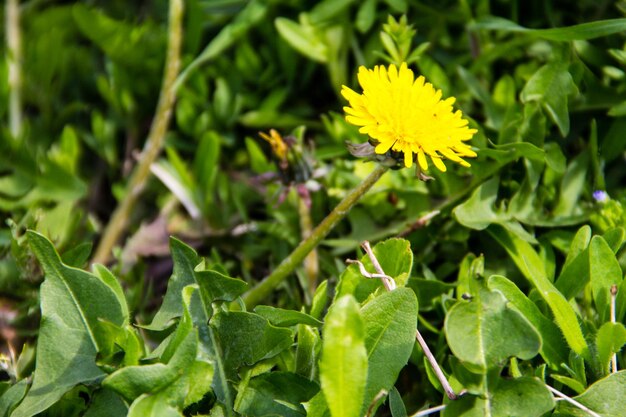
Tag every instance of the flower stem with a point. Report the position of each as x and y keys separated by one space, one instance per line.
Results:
x=154 y=143
x=14 y=60
x=263 y=288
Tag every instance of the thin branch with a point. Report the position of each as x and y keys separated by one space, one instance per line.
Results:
x=429 y=411
x=390 y=285
x=572 y=401
x=119 y=220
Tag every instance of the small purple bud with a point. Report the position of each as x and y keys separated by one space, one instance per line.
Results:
x=600 y=196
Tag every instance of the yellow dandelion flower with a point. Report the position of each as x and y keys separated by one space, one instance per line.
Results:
x=405 y=114
x=279 y=147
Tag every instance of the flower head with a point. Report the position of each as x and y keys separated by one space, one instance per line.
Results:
x=406 y=114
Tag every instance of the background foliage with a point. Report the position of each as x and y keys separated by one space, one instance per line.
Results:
x=506 y=267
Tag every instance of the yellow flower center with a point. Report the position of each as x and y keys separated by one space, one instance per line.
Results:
x=407 y=115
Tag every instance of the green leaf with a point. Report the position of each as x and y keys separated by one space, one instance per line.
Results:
x=396 y=405
x=550 y=86
x=118 y=39
x=428 y=291
x=366 y=15
x=307 y=351
x=390 y=324
x=250 y=16
x=615 y=238
x=12 y=397
x=275 y=393
x=285 y=318
x=181 y=381
x=216 y=286
x=328 y=9
x=572 y=186
x=72 y=304
x=604 y=272
x=474 y=332
x=575 y=273
x=520 y=397
x=247 y=338
x=395 y=258
x=583 y=31
x=609 y=340
x=185 y=260
x=343 y=366
x=320 y=300
x=553 y=348
x=106 y=403
x=530 y=265
x=303 y=38
x=78 y=255
x=605 y=397
x=152 y=406
x=478 y=211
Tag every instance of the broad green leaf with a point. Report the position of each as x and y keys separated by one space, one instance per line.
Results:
x=343 y=366
x=78 y=255
x=478 y=211
x=185 y=260
x=396 y=405
x=106 y=403
x=583 y=31
x=474 y=332
x=328 y=9
x=395 y=258
x=307 y=351
x=215 y=286
x=615 y=238
x=553 y=348
x=72 y=304
x=604 y=272
x=118 y=39
x=520 y=397
x=550 y=86
x=605 y=397
x=572 y=383
x=12 y=397
x=303 y=38
x=275 y=393
x=390 y=324
x=366 y=15
x=247 y=338
x=572 y=186
x=575 y=273
x=152 y=406
x=320 y=300
x=317 y=407
x=609 y=340
x=250 y=16
x=285 y=318
x=180 y=381
x=428 y=291
x=107 y=276
x=530 y=265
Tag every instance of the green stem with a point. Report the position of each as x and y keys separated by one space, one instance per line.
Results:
x=14 y=60
x=156 y=137
x=265 y=287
